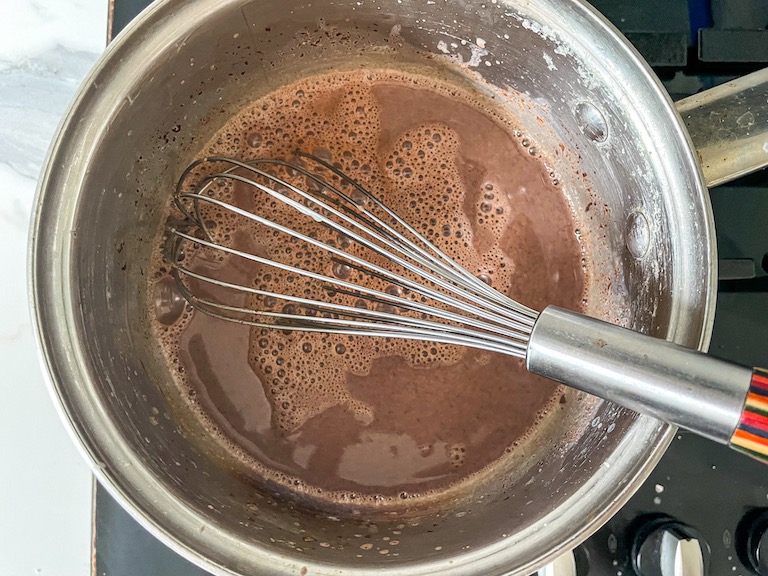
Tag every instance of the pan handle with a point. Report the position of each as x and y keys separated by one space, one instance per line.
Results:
x=721 y=401
x=729 y=127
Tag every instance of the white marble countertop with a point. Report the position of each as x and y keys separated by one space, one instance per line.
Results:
x=46 y=49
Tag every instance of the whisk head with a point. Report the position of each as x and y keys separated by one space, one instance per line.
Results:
x=350 y=264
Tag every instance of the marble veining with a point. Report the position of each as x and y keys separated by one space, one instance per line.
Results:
x=46 y=50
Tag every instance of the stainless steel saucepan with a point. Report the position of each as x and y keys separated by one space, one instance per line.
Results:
x=169 y=81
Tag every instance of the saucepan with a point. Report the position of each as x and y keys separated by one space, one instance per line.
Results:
x=599 y=114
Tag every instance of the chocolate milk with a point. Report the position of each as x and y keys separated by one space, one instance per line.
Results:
x=373 y=421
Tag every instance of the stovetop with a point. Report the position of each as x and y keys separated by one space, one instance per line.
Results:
x=700 y=493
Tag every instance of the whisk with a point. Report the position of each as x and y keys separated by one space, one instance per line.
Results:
x=414 y=290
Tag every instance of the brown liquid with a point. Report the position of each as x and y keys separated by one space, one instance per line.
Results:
x=364 y=419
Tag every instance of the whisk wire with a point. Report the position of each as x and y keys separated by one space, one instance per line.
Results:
x=365 y=265
x=390 y=237
x=405 y=327
x=399 y=301
x=470 y=312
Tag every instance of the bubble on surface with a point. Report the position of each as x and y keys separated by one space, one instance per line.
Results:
x=341 y=270
x=168 y=301
x=254 y=139
x=638 y=234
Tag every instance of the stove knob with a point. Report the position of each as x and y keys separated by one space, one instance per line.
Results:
x=665 y=547
x=564 y=565
x=753 y=542
x=760 y=562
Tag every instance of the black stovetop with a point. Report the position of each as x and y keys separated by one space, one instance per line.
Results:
x=708 y=488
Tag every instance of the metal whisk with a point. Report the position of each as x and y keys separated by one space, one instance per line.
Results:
x=414 y=290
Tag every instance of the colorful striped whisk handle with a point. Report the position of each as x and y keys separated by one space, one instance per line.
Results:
x=751 y=435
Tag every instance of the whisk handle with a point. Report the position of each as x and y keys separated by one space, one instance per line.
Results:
x=719 y=400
